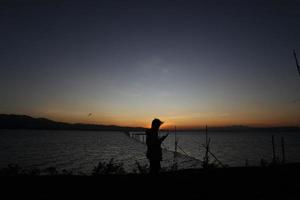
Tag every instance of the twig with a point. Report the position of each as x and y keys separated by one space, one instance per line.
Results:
x=297 y=64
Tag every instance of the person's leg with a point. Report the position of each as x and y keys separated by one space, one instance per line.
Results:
x=151 y=166
x=158 y=166
x=154 y=166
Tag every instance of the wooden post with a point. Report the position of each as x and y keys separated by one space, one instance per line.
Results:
x=283 y=150
x=175 y=146
x=273 y=147
x=176 y=142
x=207 y=141
x=206 y=135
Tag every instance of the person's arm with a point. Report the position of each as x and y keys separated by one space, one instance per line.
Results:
x=163 y=138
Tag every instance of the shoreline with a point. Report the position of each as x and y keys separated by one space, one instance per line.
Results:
x=278 y=181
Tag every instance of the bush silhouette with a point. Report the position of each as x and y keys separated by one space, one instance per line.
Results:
x=141 y=169
x=109 y=168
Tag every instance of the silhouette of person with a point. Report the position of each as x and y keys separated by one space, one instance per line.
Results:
x=154 y=151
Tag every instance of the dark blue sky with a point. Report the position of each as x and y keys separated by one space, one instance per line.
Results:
x=188 y=62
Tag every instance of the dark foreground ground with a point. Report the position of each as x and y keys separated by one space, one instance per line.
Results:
x=278 y=182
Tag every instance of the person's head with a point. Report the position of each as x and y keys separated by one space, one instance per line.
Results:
x=156 y=123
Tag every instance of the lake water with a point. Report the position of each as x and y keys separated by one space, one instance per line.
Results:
x=233 y=148
x=75 y=150
x=82 y=150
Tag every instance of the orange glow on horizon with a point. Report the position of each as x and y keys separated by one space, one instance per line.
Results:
x=184 y=122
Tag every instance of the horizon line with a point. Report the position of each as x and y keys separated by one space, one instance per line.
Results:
x=169 y=127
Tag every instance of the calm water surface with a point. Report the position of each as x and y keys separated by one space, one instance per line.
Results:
x=82 y=150
x=233 y=148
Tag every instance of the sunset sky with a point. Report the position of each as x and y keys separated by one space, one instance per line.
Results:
x=188 y=63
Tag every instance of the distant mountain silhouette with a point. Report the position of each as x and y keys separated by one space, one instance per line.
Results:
x=26 y=122
x=241 y=128
x=13 y=121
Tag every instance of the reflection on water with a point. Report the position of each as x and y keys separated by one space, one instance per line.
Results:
x=82 y=150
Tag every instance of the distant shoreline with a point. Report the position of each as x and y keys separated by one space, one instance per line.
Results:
x=19 y=122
